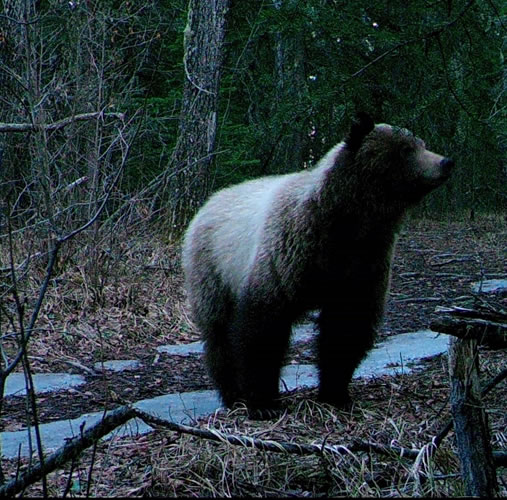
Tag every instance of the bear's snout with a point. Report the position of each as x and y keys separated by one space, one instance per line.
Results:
x=446 y=166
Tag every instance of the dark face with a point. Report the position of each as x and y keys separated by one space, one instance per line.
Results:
x=432 y=168
x=412 y=170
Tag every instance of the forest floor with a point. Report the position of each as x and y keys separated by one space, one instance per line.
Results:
x=139 y=305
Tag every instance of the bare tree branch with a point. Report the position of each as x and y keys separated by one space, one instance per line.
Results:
x=29 y=127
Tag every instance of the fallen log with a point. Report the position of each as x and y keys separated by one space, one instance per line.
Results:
x=485 y=324
x=488 y=333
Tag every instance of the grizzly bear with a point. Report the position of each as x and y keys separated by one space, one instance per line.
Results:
x=260 y=254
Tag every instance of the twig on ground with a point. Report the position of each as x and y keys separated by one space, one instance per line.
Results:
x=420 y=299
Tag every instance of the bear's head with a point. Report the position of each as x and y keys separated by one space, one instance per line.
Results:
x=395 y=161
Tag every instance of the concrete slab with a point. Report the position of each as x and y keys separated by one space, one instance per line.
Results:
x=295 y=376
x=301 y=333
x=43 y=382
x=181 y=408
x=182 y=349
x=395 y=355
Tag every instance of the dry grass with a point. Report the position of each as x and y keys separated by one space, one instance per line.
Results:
x=103 y=301
x=124 y=293
x=407 y=410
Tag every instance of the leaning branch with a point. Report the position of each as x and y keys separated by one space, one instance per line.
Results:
x=486 y=311
x=499 y=457
x=69 y=451
x=274 y=446
x=29 y=127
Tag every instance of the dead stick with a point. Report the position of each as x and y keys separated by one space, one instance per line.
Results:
x=28 y=127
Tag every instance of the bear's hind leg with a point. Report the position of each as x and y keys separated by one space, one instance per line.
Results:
x=259 y=341
x=221 y=365
x=212 y=309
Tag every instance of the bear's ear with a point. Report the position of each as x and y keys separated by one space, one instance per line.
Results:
x=361 y=127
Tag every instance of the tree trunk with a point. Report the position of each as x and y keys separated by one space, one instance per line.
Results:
x=291 y=91
x=187 y=181
x=470 y=420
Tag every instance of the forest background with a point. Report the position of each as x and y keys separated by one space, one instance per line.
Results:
x=119 y=118
x=93 y=101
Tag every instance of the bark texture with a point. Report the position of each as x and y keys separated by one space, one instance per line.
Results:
x=188 y=177
x=470 y=420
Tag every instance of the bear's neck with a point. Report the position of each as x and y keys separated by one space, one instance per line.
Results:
x=344 y=201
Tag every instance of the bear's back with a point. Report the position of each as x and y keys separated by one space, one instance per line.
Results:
x=232 y=224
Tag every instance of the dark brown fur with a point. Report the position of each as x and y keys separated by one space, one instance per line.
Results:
x=261 y=253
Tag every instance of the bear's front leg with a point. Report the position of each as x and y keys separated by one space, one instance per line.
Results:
x=347 y=333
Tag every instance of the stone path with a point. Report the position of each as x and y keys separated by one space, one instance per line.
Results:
x=490 y=286
x=43 y=382
x=395 y=355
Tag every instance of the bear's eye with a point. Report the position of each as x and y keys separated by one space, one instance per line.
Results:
x=406 y=150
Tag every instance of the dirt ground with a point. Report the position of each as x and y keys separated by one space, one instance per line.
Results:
x=142 y=306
